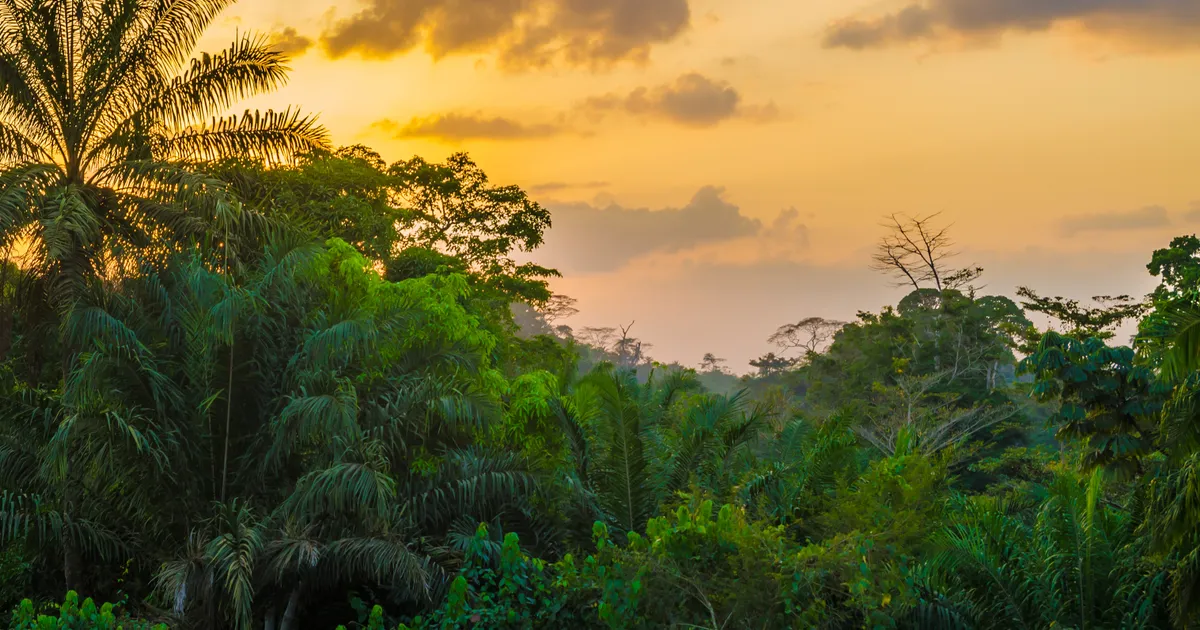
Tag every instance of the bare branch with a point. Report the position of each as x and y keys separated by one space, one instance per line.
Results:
x=915 y=253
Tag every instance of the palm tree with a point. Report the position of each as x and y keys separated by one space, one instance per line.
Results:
x=799 y=471
x=102 y=122
x=634 y=447
x=308 y=428
x=102 y=119
x=1074 y=563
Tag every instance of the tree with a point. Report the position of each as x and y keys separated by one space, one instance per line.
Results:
x=629 y=351
x=1172 y=313
x=453 y=209
x=1080 y=321
x=557 y=308
x=641 y=443
x=411 y=219
x=355 y=440
x=601 y=338
x=916 y=253
x=1108 y=402
x=1178 y=265
x=804 y=463
x=542 y=320
x=809 y=335
x=344 y=193
x=918 y=415
x=968 y=342
x=991 y=571
x=769 y=364
x=98 y=132
x=101 y=123
x=712 y=363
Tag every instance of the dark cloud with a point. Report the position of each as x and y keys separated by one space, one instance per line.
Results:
x=557 y=186
x=693 y=100
x=1148 y=217
x=460 y=127
x=290 y=42
x=525 y=33
x=586 y=238
x=1166 y=22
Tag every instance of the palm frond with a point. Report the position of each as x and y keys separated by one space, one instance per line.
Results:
x=383 y=561
x=272 y=136
x=344 y=488
x=1183 y=356
x=232 y=555
x=28 y=517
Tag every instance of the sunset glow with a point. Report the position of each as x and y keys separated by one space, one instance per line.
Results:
x=1041 y=137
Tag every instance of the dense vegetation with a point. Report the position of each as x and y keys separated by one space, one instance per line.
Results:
x=250 y=381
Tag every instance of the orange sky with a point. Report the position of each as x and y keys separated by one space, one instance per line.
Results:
x=767 y=138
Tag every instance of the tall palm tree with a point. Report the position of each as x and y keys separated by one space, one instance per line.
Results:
x=102 y=120
x=102 y=123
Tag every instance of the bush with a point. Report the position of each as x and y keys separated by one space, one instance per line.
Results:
x=73 y=616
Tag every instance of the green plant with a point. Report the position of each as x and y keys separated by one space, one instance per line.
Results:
x=71 y=615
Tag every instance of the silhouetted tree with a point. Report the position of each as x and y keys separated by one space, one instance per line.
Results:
x=770 y=364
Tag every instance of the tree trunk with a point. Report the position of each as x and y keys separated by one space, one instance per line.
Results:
x=6 y=307
x=72 y=560
x=293 y=609
x=272 y=619
x=72 y=564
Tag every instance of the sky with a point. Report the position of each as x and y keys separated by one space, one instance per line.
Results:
x=718 y=168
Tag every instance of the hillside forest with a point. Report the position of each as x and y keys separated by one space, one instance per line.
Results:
x=253 y=381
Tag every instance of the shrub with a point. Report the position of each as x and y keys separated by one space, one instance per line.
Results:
x=73 y=616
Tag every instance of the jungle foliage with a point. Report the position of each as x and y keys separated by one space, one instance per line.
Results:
x=248 y=380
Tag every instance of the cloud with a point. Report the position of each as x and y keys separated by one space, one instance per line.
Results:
x=787 y=229
x=603 y=236
x=692 y=100
x=523 y=33
x=290 y=42
x=558 y=186
x=1143 y=218
x=587 y=238
x=1152 y=22
x=1193 y=212
x=455 y=127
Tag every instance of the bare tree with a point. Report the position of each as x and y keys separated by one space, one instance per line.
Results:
x=630 y=351
x=916 y=253
x=809 y=335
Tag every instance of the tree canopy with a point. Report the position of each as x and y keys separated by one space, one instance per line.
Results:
x=251 y=381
